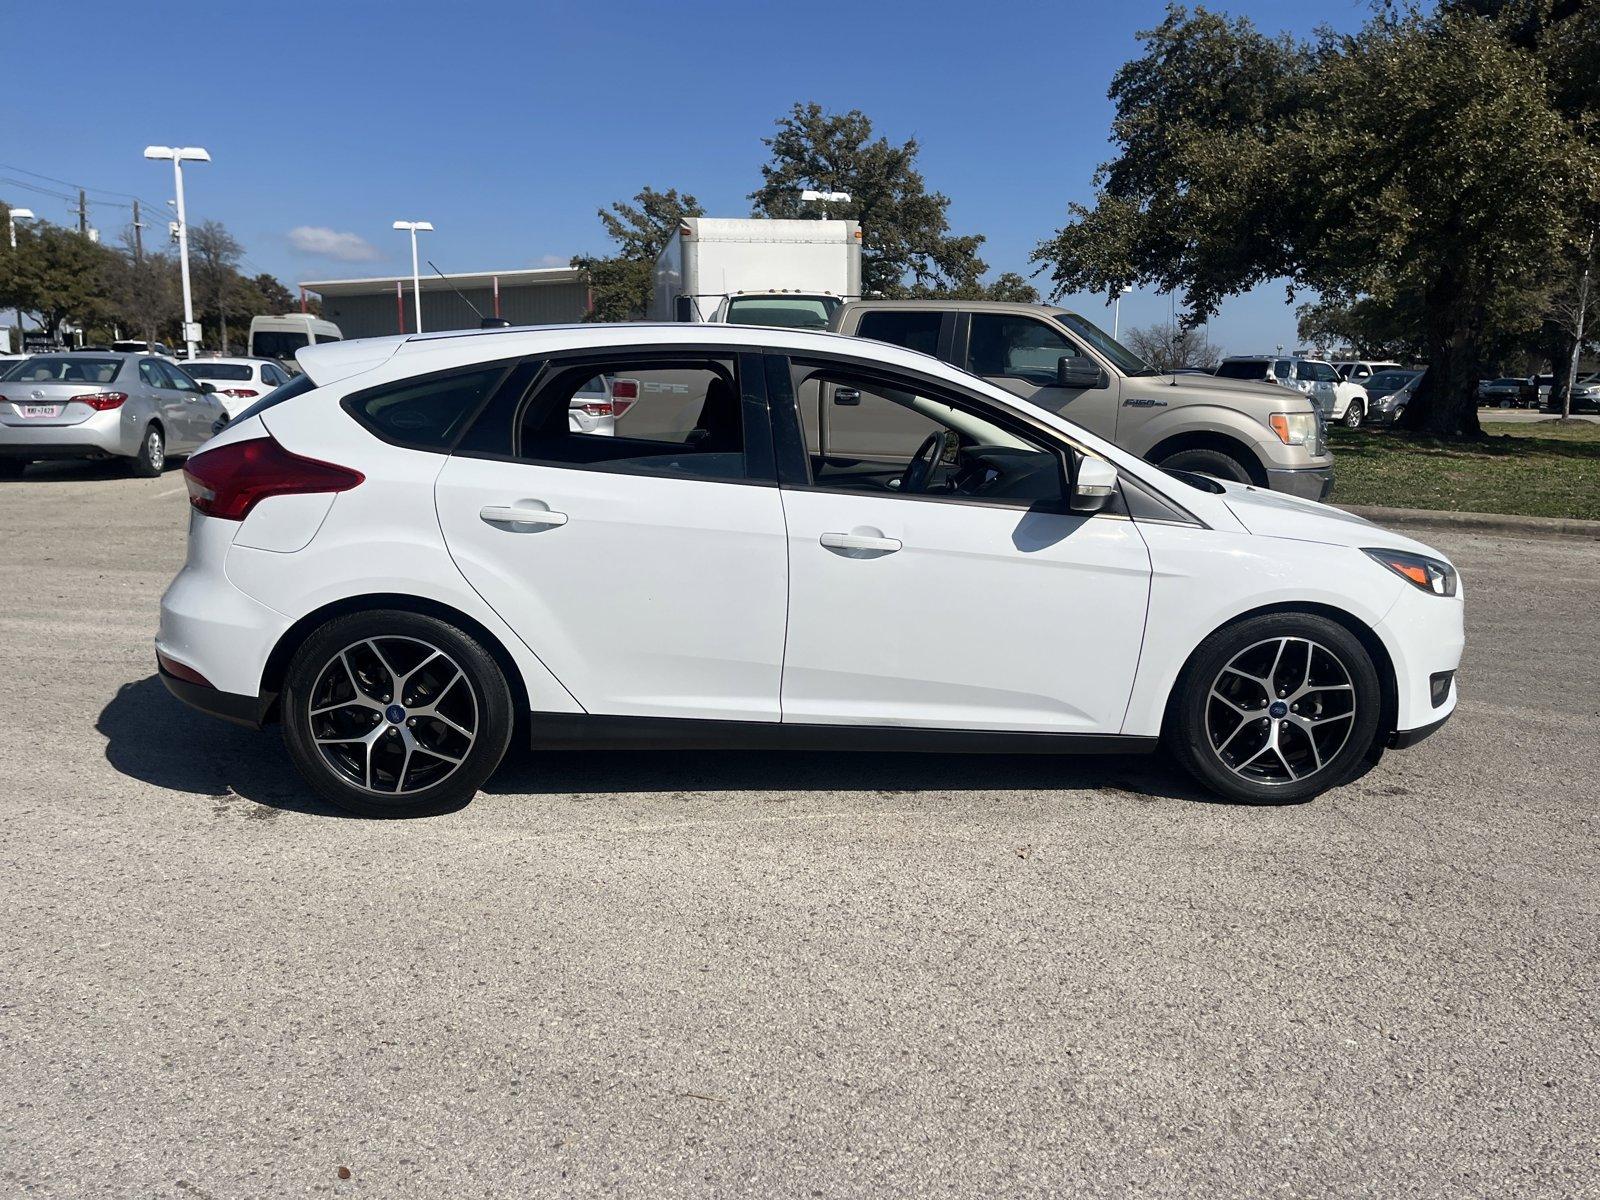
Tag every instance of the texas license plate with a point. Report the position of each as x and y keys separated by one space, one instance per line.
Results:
x=41 y=410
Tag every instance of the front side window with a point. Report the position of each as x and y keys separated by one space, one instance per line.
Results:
x=679 y=418
x=1017 y=347
x=1126 y=360
x=866 y=434
x=917 y=331
x=180 y=380
x=425 y=413
x=150 y=374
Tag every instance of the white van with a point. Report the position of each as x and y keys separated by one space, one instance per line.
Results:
x=280 y=337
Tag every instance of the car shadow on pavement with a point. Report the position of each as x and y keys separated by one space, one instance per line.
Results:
x=150 y=736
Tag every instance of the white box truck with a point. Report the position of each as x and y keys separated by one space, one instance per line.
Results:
x=751 y=271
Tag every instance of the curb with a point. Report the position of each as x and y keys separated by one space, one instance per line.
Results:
x=1479 y=522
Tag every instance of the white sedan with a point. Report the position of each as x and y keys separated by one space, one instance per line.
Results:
x=410 y=553
x=239 y=382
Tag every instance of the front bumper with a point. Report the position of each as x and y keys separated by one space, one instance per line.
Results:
x=1309 y=483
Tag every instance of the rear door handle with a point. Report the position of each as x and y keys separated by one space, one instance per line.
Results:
x=856 y=541
x=516 y=514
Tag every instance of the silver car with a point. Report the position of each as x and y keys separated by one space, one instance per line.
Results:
x=101 y=405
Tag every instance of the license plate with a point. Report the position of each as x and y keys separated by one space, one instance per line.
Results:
x=41 y=410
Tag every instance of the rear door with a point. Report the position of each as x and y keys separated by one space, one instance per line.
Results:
x=646 y=567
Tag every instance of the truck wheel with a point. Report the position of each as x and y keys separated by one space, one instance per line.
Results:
x=1353 y=414
x=152 y=456
x=1216 y=463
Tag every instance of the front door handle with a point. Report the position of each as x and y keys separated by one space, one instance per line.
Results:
x=856 y=541
x=517 y=514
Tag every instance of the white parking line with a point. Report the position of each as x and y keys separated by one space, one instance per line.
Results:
x=172 y=491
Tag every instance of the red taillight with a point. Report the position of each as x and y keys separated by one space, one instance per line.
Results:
x=101 y=401
x=231 y=480
x=240 y=393
x=602 y=409
x=624 y=395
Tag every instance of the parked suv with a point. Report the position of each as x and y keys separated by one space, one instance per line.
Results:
x=1241 y=432
x=1338 y=399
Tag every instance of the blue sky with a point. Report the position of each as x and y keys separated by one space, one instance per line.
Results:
x=508 y=125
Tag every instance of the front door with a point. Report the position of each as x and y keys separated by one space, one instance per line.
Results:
x=1019 y=353
x=645 y=567
x=939 y=583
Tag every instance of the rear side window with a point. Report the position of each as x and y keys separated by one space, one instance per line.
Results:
x=1243 y=370
x=913 y=330
x=425 y=413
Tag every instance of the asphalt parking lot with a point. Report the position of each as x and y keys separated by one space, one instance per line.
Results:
x=782 y=975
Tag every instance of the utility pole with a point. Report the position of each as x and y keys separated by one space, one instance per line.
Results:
x=83 y=214
x=138 y=235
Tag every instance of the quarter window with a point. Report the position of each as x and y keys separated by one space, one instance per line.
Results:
x=1003 y=344
x=426 y=413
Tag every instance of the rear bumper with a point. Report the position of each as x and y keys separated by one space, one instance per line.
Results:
x=1309 y=483
x=230 y=706
x=97 y=437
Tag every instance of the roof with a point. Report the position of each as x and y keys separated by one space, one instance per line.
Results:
x=532 y=277
x=935 y=304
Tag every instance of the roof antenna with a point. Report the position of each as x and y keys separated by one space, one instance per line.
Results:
x=483 y=321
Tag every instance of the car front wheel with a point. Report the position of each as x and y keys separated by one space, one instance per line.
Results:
x=1276 y=709
x=395 y=714
x=1216 y=463
x=1354 y=414
x=152 y=457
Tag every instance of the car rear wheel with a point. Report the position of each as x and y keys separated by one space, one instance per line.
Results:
x=1276 y=709
x=1354 y=414
x=1216 y=463
x=395 y=714
x=152 y=457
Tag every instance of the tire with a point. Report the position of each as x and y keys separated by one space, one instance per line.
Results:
x=1353 y=414
x=152 y=457
x=426 y=749
x=1216 y=463
x=12 y=468
x=1328 y=731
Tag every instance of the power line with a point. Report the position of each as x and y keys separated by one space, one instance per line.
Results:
x=69 y=183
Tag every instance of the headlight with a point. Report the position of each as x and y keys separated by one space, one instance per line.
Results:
x=1293 y=429
x=1429 y=574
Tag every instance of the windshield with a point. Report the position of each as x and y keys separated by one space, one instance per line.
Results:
x=784 y=312
x=50 y=368
x=277 y=343
x=213 y=370
x=1124 y=359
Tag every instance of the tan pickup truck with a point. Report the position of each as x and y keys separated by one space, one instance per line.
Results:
x=1244 y=432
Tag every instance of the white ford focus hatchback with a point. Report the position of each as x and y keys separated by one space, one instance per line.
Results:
x=411 y=554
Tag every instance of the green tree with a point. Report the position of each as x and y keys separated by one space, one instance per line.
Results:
x=907 y=246
x=215 y=254
x=1444 y=185
x=620 y=284
x=57 y=275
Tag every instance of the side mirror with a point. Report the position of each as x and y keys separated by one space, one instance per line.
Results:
x=207 y=387
x=683 y=308
x=1094 y=487
x=1073 y=371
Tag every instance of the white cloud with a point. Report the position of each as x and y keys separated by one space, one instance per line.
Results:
x=553 y=260
x=318 y=241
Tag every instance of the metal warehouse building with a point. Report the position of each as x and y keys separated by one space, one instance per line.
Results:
x=377 y=307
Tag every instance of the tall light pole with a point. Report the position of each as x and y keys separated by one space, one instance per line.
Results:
x=1116 y=309
x=15 y=215
x=810 y=195
x=180 y=155
x=416 y=276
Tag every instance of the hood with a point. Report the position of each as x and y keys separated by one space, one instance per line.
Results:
x=1273 y=514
